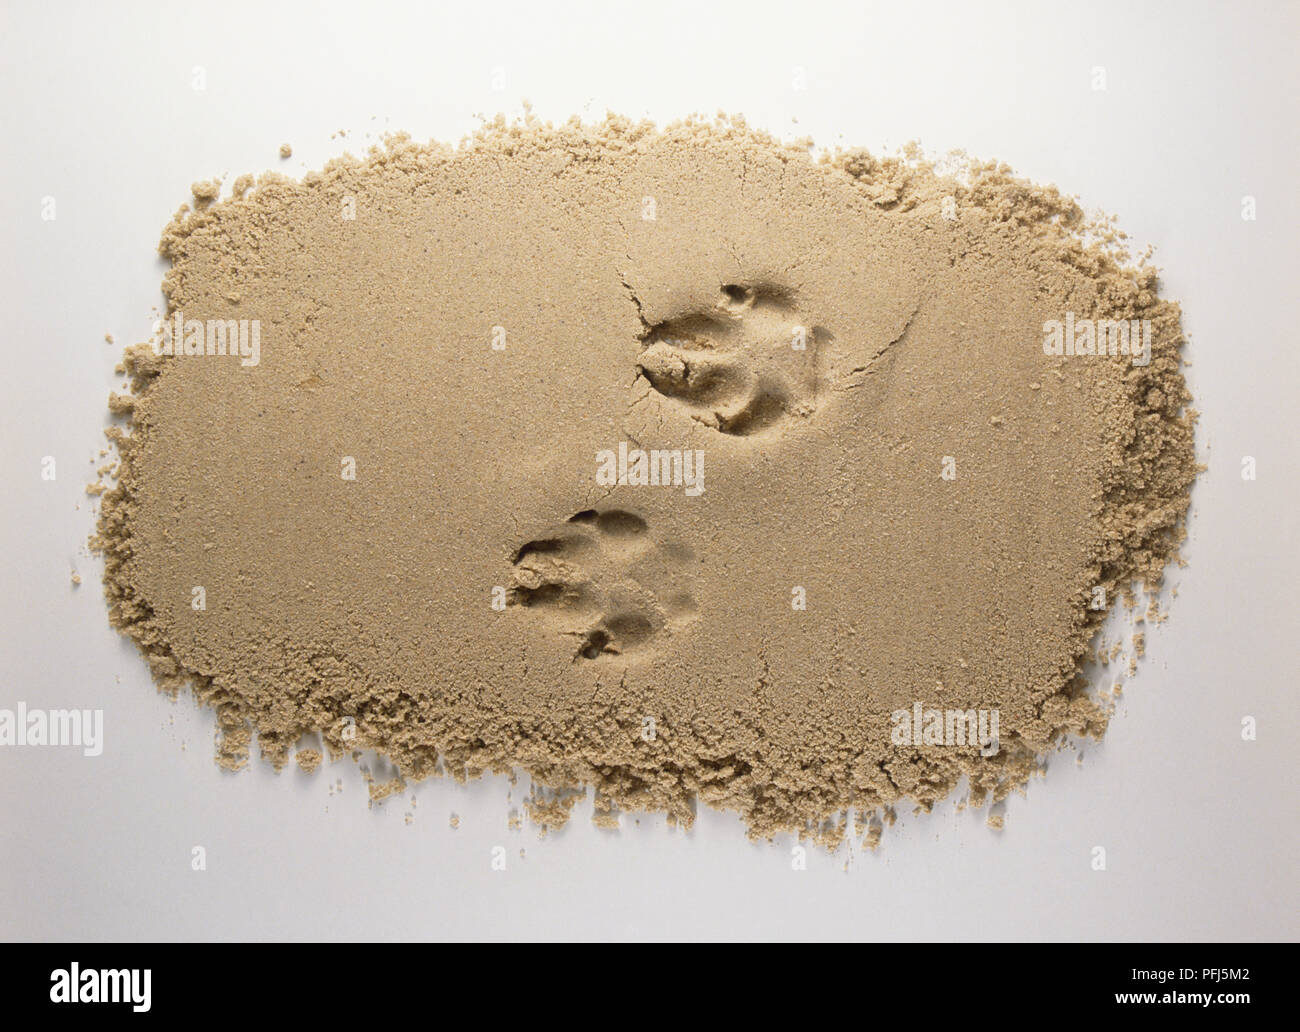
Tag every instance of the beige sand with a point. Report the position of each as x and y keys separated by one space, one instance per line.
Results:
x=405 y=540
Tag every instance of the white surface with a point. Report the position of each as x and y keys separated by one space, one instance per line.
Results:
x=1200 y=109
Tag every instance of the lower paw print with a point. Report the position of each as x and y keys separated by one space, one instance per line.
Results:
x=741 y=367
x=604 y=579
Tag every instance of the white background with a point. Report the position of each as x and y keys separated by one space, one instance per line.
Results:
x=1199 y=110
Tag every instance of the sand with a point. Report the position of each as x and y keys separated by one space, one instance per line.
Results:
x=418 y=517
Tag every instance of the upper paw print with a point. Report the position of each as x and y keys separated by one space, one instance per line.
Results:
x=742 y=367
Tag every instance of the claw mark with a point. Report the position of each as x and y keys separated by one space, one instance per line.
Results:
x=881 y=361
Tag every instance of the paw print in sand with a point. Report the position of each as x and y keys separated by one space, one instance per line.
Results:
x=741 y=367
x=604 y=580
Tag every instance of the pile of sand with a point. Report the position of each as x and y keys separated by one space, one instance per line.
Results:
x=418 y=516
